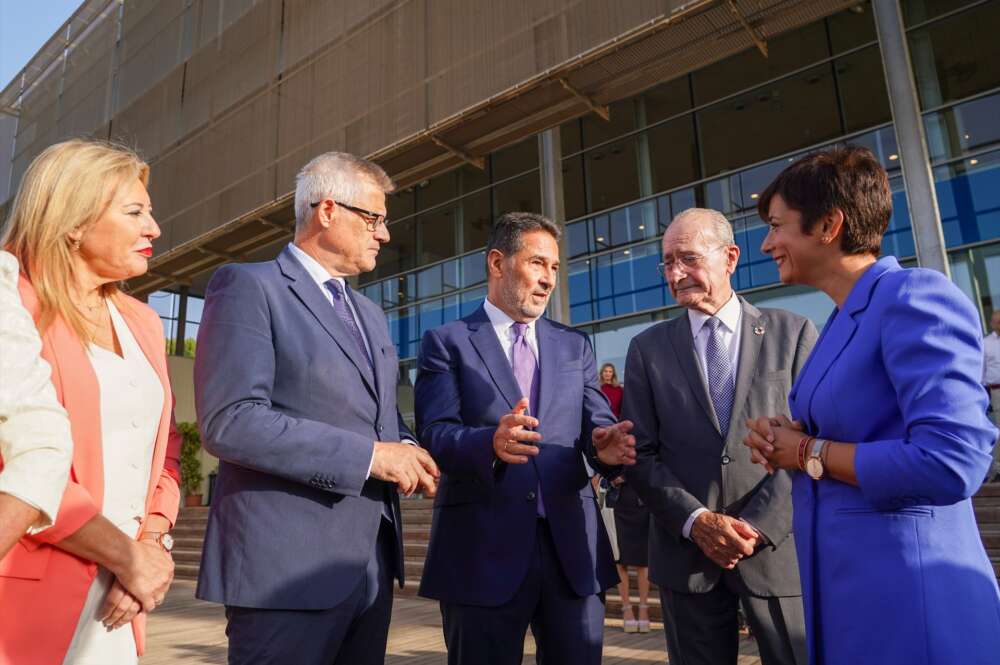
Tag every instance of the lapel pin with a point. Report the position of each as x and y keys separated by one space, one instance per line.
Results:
x=758 y=330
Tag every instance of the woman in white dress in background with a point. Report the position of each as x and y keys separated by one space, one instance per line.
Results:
x=81 y=223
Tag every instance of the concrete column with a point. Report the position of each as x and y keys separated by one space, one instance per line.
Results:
x=913 y=155
x=553 y=207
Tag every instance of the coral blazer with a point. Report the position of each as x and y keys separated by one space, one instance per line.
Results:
x=43 y=588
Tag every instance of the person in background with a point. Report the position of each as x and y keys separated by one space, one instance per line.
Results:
x=81 y=223
x=35 y=444
x=611 y=388
x=889 y=437
x=991 y=379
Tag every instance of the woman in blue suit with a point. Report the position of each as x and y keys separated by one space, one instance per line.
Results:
x=889 y=435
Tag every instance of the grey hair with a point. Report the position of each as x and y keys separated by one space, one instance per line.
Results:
x=715 y=222
x=505 y=235
x=335 y=175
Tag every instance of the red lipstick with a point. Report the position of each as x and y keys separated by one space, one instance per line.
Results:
x=148 y=252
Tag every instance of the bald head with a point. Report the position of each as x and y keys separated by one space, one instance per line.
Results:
x=699 y=257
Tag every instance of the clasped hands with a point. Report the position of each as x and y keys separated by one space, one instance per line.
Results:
x=140 y=584
x=724 y=539
x=513 y=440
x=774 y=442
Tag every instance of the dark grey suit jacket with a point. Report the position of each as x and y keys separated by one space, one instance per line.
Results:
x=683 y=461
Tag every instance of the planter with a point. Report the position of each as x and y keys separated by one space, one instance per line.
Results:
x=192 y=500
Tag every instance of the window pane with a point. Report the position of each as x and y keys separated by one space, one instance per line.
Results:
x=612 y=175
x=634 y=223
x=780 y=117
x=429 y=282
x=470 y=301
x=862 y=89
x=580 y=295
x=786 y=53
x=612 y=339
x=399 y=253
x=852 y=27
x=577 y=237
x=400 y=204
x=918 y=11
x=519 y=195
x=164 y=303
x=598 y=130
x=195 y=306
x=573 y=194
x=437 y=190
x=964 y=128
x=969 y=199
x=476 y=221
x=190 y=339
x=673 y=154
x=437 y=234
x=473 y=269
x=471 y=178
x=958 y=56
x=667 y=100
x=804 y=301
x=515 y=159
x=569 y=135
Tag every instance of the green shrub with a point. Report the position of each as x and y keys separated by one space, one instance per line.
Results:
x=190 y=460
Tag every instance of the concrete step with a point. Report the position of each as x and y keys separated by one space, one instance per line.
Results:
x=186 y=555
x=991 y=537
x=989 y=490
x=186 y=571
x=987 y=515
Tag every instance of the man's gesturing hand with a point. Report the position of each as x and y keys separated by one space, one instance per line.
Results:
x=614 y=444
x=724 y=539
x=511 y=441
x=409 y=467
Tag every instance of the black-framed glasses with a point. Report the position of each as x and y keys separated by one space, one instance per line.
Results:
x=373 y=220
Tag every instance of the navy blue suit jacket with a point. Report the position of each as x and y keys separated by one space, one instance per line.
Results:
x=483 y=529
x=292 y=411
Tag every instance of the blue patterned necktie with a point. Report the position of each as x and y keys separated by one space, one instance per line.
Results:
x=720 y=374
x=344 y=313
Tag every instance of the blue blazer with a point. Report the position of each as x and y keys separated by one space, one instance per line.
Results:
x=894 y=571
x=292 y=412
x=483 y=528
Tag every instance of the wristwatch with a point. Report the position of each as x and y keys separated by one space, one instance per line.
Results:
x=814 y=463
x=161 y=538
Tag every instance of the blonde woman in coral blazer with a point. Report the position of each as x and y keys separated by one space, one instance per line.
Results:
x=81 y=222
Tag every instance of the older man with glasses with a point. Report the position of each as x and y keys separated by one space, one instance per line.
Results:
x=721 y=524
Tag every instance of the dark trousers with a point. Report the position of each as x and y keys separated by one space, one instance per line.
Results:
x=701 y=628
x=352 y=633
x=567 y=628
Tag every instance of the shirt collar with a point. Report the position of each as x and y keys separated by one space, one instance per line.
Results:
x=729 y=314
x=319 y=274
x=501 y=322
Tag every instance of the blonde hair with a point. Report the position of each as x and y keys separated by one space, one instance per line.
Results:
x=68 y=186
x=614 y=374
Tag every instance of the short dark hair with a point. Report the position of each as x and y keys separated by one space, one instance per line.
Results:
x=505 y=236
x=850 y=179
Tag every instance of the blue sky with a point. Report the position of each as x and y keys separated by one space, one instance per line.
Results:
x=25 y=25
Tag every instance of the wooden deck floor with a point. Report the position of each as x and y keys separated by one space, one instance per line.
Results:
x=186 y=630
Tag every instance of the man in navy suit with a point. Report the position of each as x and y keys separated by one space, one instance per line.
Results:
x=295 y=385
x=508 y=404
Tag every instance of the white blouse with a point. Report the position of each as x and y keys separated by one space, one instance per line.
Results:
x=131 y=397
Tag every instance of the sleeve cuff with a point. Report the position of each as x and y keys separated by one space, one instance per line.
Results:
x=686 y=531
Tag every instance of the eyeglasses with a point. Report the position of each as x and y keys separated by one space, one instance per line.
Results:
x=373 y=220
x=688 y=260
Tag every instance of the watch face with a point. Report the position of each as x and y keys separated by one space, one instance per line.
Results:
x=167 y=541
x=814 y=468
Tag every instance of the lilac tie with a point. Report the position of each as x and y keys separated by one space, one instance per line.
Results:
x=344 y=312
x=525 y=367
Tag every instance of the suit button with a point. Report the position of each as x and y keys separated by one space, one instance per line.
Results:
x=380 y=428
x=531 y=496
x=726 y=459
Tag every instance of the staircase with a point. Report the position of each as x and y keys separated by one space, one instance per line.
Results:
x=190 y=531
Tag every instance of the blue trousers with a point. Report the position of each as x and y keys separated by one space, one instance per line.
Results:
x=568 y=629
x=352 y=633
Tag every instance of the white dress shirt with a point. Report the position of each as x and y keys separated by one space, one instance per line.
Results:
x=991 y=359
x=730 y=314
x=35 y=440
x=505 y=333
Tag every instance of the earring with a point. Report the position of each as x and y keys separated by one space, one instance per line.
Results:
x=74 y=244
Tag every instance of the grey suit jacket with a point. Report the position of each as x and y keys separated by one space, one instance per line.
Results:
x=683 y=461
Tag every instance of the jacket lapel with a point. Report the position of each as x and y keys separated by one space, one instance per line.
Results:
x=750 y=345
x=485 y=341
x=837 y=333
x=548 y=350
x=308 y=292
x=687 y=357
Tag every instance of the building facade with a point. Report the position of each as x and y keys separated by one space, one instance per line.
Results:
x=610 y=117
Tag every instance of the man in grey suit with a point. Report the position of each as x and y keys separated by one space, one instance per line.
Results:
x=295 y=386
x=721 y=532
